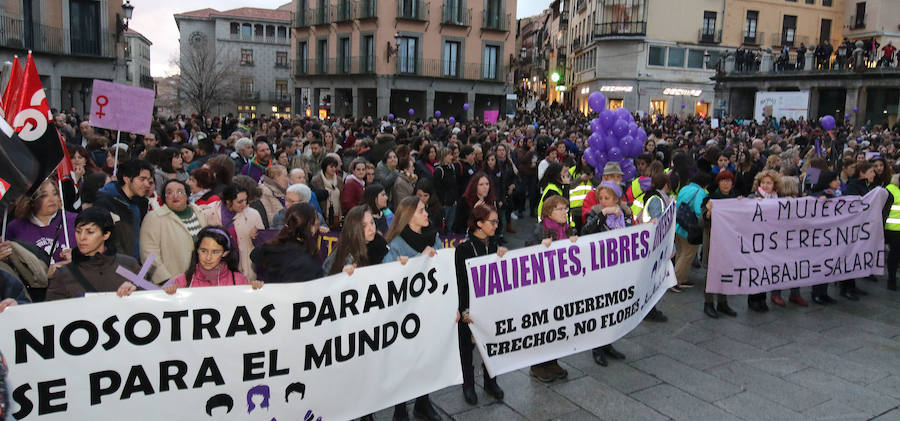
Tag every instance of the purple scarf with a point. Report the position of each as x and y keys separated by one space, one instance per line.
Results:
x=615 y=221
x=227 y=215
x=558 y=229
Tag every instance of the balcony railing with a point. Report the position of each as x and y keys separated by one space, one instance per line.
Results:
x=412 y=10
x=345 y=11
x=612 y=29
x=495 y=22
x=780 y=39
x=709 y=37
x=249 y=95
x=858 y=22
x=279 y=97
x=753 y=38
x=446 y=69
x=456 y=17
x=362 y=65
x=301 y=19
x=319 y=16
x=367 y=9
x=257 y=38
x=51 y=40
x=576 y=43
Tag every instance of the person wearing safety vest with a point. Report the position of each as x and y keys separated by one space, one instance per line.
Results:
x=581 y=185
x=892 y=231
x=635 y=193
x=555 y=183
x=657 y=199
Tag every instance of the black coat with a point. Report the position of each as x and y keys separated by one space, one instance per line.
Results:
x=472 y=247
x=857 y=186
x=445 y=184
x=284 y=263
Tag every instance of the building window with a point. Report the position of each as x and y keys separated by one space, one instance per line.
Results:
x=658 y=106
x=344 y=58
x=615 y=104
x=270 y=32
x=246 y=57
x=451 y=59
x=695 y=59
x=657 y=56
x=246 y=87
x=750 y=26
x=826 y=3
x=281 y=59
x=491 y=54
x=322 y=56
x=409 y=8
x=810 y=1
x=281 y=90
x=282 y=33
x=709 y=24
x=407 y=54
x=788 y=30
x=258 y=32
x=246 y=111
x=235 y=29
x=714 y=57
x=859 y=21
x=246 y=31
x=825 y=30
x=369 y=53
x=85 y=27
x=302 y=57
x=676 y=57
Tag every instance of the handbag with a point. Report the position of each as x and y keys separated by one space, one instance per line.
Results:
x=687 y=219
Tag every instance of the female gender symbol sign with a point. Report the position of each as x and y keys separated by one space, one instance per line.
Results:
x=100 y=112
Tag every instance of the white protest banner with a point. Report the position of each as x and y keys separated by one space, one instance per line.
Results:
x=121 y=107
x=536 y=304
x=764 y=245
x=335 y=348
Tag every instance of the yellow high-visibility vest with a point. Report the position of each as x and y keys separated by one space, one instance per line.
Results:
x=638 y=195
x=893 y=219
x=578 y=192
x=550 y=187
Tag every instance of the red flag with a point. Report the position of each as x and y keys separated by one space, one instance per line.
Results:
x=12 y=88
x=65 y=169
x=4 y=186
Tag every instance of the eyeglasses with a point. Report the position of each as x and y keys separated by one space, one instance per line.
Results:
x=176 y=193
x=561 y=209
x=493 y=221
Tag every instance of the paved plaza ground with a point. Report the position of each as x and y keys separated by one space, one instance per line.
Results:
x=839 y=362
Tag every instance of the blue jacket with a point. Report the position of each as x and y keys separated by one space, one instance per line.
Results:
x=695 y=194
x=131 y=213
x=12 y=287
x=398 y=247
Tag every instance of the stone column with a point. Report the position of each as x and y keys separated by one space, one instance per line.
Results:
x=851 y=101
x=813 y=111
x=383 y=93
x=470 y=115
x=765 y=63
x=315 y=101
x=729 y=64
x=429 y=103
x=356 y=106
x=810 y=61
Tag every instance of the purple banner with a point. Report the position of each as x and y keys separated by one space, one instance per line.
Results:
x=773 y=244
x=121 y=107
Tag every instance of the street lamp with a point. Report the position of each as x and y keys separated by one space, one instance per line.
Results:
x=392 y=49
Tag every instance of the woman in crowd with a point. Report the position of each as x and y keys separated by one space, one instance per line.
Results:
x=94 y=261
x=409 y=236
x=188 y=155
x=405 y=184
x=241 y=221
x=376 y=200
x=354 y=185
x=483 y=225
x=765 y=186
x=328 y=143
x=790 y=187
x=254 y=196
x=479 y=191
x=862 y=182
x=427 y=161
x=168 y=232
x=445 y=183
x=883 y=172
x=329 y=181
x=213 y=263
x=39 y=221
x=82 y=166
x=425 y=192
x=509 y=175
x=692 y=194
x=724 y=190
x=607 y=215
x=273 y=186
x=168 y=167
x=554 y=226
x=554 y=183
x=292 y=256
x=360 y=244
x=202 y=182
x=386 y=172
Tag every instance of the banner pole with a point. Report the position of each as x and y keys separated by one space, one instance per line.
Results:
x=62 y=208
x=116 y=163
x=5 y=219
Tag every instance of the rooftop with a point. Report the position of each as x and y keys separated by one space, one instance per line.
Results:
x=251 y=13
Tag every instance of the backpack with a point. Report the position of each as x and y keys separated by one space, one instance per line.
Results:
x=687 y=219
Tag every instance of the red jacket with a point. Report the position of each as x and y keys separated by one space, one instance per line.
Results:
x=589 y=201
x=352 y=194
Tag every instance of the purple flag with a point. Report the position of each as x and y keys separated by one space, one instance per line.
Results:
x=121 y=107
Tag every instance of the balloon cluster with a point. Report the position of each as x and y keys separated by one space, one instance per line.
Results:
x=615 y=138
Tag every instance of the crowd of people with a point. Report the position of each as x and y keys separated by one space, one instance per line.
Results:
x=848 y=55
x=197 y=192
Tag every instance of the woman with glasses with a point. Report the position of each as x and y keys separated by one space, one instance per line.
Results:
x=168 y=232
x=482 y=240
x=39 y=222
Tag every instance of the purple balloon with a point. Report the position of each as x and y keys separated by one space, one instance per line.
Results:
x=627 y=144
x=391 y=116
x=598 y=171
x=828 y=122
x=855 y=109
x=614 y=153
x=412 y=111
x=452 y=120
x=589 y=156
x=641 y=135
x=596 y=125
x=846 y=116
x=597 y=102
x=620 y=128
x=607 y=118
x=638 y=148
x=466 y=106
x=437 y=113
x=601 y=158
x=630 y=172
x=609 y=142
x=632 y=129
x=682 y=106
x=622 y=113
x=595 y=140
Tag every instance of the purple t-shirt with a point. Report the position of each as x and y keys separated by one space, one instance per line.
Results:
x=22 y=229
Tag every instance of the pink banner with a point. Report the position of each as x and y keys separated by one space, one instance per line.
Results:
x=774 y=244
x=490 y=116
x=121 y=107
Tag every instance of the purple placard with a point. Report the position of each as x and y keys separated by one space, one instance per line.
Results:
x=490 y=116
x=121 y=107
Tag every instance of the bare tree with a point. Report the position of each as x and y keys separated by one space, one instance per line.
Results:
x=207 y=76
